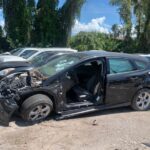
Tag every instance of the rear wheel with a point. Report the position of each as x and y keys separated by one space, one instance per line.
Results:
x=36 y=108
x=141 y=101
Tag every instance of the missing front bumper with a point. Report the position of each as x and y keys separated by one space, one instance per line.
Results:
x=7 y=108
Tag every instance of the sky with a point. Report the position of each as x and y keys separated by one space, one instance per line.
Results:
x=96 y=15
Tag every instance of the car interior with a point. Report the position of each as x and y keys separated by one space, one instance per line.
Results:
x=87 y=83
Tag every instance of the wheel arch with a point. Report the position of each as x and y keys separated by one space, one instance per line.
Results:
x=50 y=95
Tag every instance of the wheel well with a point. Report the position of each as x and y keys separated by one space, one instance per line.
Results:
x=24 y=97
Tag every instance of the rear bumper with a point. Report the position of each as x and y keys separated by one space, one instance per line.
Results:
x=7 y=108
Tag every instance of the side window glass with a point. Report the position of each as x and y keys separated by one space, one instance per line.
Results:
x=141 y=65
x=118 y=65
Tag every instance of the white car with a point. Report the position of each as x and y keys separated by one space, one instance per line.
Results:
x=11 y=58
x=29 y=53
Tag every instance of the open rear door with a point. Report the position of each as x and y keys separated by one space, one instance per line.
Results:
x=7 y=108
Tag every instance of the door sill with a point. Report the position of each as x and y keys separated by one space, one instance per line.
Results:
x=79 y=104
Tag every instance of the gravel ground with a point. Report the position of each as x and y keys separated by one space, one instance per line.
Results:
x=118 y=129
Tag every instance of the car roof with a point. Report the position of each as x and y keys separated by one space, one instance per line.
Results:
x=49 y=49
x=92 y=54
x=145 y=55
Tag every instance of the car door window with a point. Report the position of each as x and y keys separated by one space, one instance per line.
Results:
x=119 y=65
x=141 y=65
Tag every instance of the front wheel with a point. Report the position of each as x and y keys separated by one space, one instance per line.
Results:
x=36 y=108
x=141 y=101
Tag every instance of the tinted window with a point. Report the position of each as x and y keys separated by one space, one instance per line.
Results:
x=118 y=65
x=28 y=53
x=140 y=64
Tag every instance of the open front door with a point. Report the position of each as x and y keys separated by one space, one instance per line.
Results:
x=86 y=84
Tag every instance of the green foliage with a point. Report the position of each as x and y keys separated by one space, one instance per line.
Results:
x=53 y=25
x=94 y=41
x=100 y=41
x=70 y=10
x=125 y=14
x=141 y=10
x=43 y=24
x=46 y=23
x=16 y=21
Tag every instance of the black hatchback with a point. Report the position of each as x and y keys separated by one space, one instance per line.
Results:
x=77 y=83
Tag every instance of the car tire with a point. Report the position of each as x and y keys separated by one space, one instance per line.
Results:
x=36 y=108
x=141 y=101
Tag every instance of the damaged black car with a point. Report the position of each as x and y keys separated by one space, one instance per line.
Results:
x=74 y=84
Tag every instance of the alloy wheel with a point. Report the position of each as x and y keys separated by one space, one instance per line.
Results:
x=39 y=112
x=143 y=100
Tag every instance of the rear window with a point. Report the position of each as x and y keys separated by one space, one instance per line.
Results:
x=28 y=53
x=16 y=52
x=41 y=58
x=140 y=64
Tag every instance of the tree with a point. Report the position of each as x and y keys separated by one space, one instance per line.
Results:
x=142 y=13
x=116 y=31
x=1 y=31
x=46 y=23
x=70 y=10
x=31 y=9
x=52 y=25
x=125 y=7
x=145 y=37
x=94 y=41
x=41 y=23
x=16 y=21
x=137 y=6
x=1 y=3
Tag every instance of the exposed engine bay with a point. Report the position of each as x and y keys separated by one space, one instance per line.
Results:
x=16 y=82
x=10 y=88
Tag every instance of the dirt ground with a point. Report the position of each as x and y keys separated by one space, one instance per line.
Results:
x=118 y=129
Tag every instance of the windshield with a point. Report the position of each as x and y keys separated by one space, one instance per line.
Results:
x=28 y=53
x=41 y=58
x=58 y=64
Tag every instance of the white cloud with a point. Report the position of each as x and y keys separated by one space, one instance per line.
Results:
x=96 y=24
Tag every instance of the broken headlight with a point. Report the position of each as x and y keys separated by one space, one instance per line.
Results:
x=4 y=72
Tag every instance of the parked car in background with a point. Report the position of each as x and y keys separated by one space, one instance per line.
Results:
x=30 y=53
x=9 y=63
x=8 y=58
x=77 y=83
x=46 y=56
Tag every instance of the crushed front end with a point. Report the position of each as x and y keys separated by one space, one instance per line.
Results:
x=11 y=88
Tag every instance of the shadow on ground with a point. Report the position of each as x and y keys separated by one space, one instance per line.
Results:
x=23 y=123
